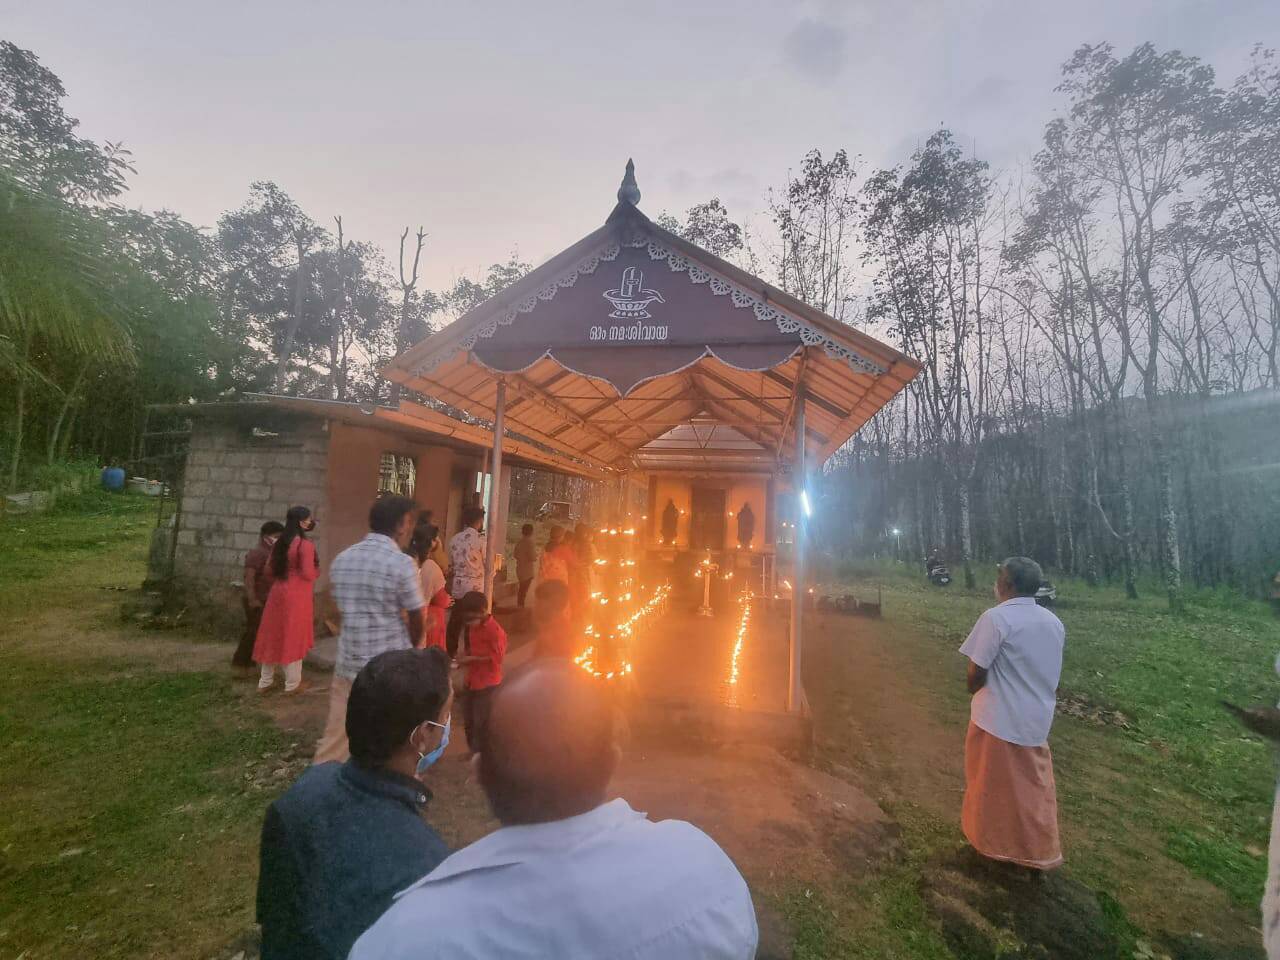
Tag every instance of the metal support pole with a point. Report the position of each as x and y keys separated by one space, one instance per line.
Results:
x=794 y=695
x=495 y=483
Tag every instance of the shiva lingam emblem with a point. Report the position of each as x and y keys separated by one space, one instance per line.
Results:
x=631 y=299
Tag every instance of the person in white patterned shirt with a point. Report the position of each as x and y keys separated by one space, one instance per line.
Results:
x=377 y=588
x=466 y=554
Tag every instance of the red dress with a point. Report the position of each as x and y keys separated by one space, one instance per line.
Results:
x=485 y=639
x=288 y=630
x=437 y=616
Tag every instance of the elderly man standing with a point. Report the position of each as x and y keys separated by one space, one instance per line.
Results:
x=570 y=874
x=466 y=554
x=1010 y=809
x=378 y=590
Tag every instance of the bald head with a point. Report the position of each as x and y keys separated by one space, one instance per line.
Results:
x=549 y=750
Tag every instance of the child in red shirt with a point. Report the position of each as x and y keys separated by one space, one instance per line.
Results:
x=481 y=650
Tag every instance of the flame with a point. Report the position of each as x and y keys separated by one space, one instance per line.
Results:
x=624 y=630
x=744 y=621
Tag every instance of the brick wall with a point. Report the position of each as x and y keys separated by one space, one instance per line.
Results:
x=234 y=482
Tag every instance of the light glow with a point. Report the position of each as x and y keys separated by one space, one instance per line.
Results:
x=744 y=621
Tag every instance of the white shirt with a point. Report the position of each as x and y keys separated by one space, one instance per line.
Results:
x=607 y=883
x=1019 y=643
x=371 y=582
x=466 y=555
x=432 y=579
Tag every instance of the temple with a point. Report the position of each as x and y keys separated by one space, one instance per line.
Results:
x=704 y=395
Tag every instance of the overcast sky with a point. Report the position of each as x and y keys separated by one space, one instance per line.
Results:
x=504 y=127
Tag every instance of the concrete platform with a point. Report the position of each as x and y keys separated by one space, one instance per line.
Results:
x=691 y=678
x=721 y=678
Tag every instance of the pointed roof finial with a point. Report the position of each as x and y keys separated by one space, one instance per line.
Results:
x=629 y=192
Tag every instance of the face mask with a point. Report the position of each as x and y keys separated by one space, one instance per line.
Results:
x=425 y=760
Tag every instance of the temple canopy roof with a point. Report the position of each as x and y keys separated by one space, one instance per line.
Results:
x=634 y=349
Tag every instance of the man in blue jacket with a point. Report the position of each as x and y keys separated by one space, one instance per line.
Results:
x=348 y=836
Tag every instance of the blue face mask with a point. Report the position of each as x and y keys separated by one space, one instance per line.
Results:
x=425 y=760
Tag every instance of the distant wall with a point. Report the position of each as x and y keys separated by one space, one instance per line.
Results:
x=738 y=490
x=234 y=482
x=354 y=457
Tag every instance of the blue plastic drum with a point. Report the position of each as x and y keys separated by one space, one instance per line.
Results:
x=113 y=479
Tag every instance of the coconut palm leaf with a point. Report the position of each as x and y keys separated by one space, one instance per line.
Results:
x=56 y=276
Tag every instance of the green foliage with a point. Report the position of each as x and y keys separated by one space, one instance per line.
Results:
x=55 y=261
x=64 y=475
x=38 y=137
x=708 y=225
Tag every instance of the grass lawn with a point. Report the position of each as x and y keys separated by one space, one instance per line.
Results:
x=1165 y=808
x=132 y=796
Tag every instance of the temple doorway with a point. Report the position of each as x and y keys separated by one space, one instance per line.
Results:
x=706 y=525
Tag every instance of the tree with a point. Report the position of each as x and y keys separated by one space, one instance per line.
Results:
x=709 y=226
x=816 y=218
x=267 y=243
x=926 y=228
x=1243 y=170
x=38 y=142
x=1137 y=123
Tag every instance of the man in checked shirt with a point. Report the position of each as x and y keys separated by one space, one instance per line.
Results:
x=375 y=584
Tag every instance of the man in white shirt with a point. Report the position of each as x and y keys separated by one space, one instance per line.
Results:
x=1015 y=659
x=466 y=554
x=570 y=874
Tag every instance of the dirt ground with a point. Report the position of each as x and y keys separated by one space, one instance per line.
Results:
x=780 y=821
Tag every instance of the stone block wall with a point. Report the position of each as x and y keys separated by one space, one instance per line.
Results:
x=234 y=482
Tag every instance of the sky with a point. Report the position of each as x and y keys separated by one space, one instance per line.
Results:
x=503 y=127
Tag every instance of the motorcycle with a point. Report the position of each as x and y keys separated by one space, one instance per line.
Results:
x=938 y=573
x=1047 y=595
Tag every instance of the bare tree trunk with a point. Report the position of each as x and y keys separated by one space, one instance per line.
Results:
x=407 y=285
x=295 y=321
x=1169 y=553
x=19 y=413
x=68 y=431
x=336 y=385
x=966 y=537
x=69 y=399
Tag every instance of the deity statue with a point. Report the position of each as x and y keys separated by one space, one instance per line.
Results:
x=670 y=517
x=746 y=526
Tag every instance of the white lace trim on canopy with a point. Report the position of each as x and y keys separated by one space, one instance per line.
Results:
x=741 y=298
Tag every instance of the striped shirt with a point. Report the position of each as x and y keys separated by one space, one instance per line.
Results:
x=372 y=582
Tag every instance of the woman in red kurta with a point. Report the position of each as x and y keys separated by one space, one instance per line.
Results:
x=287 y=631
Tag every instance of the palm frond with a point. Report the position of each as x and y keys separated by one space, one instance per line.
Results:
x=56 y=275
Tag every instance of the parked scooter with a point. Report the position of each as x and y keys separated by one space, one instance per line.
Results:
x=936 y=570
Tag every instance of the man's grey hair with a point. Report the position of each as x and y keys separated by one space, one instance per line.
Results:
x=1024 y=575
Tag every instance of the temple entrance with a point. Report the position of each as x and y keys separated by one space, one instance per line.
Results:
x=706 y=525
